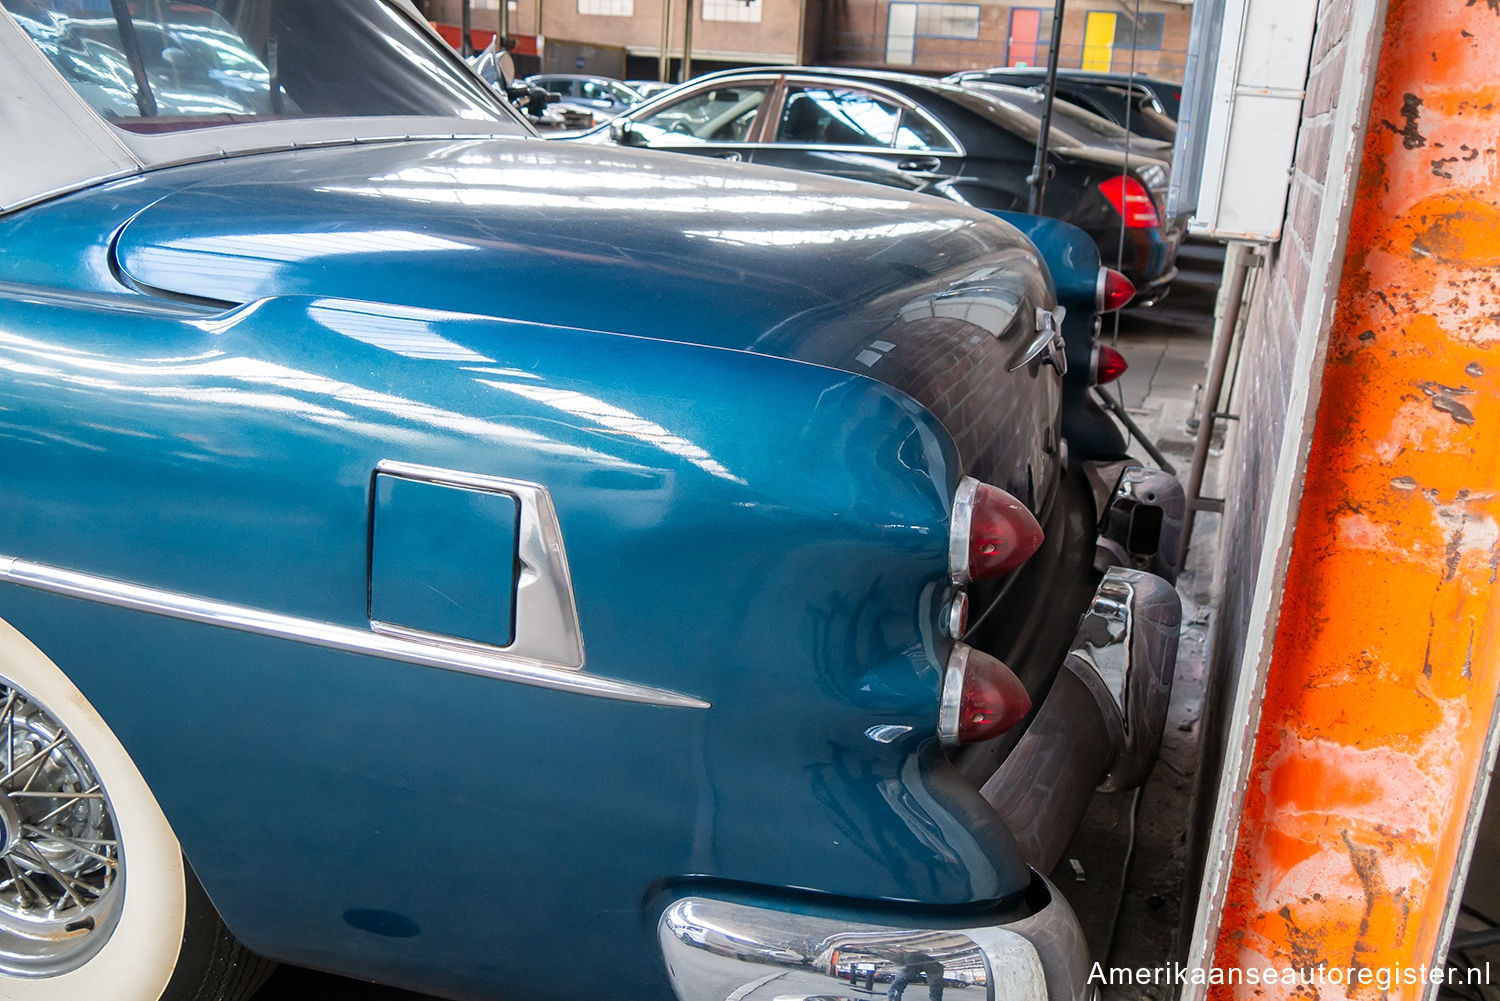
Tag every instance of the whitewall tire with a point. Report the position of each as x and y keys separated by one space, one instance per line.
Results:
x=95 y=897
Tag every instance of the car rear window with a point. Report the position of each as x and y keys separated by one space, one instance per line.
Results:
x=159 y=65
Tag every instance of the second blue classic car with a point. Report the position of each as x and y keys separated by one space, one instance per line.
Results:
x=509 y=569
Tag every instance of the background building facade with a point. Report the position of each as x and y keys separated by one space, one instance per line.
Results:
x=624 y=37
x=1110 y=35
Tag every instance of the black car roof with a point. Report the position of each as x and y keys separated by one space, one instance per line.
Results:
x=1076 y=75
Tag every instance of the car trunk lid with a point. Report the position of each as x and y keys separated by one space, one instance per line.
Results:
x=928 y=296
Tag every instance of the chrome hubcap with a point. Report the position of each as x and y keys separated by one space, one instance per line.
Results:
x=61 y=876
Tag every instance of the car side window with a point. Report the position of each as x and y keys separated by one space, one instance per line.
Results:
x=837 y=116
x=719 y=114
x=917 y=132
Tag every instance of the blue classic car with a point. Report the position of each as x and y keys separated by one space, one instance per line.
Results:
x=514 y=569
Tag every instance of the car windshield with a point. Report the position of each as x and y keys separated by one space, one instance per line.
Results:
x=165 y=65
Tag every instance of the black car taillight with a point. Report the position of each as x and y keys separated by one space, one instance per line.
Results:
x=1131 y=199
x=992 y=533
x=982 y=698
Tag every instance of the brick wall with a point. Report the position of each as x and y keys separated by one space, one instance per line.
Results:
x=772 y=38
x=856 y=35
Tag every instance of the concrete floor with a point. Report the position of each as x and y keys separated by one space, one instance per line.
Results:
x=1125 y=869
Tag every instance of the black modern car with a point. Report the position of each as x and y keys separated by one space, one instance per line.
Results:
x=915 y=133
x=1071 y=122
x=1142 y=104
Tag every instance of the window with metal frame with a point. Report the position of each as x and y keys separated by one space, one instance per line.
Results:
x=607 y=8
x=745 y=11
x=906 y=22
x=947 y=20
x=918 y=132
x=1143 y=32
x=837 y=116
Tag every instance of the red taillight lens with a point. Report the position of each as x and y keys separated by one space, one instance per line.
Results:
x=993 y=533
x=1131 y=199
x=1109 y=364
x=982 y=698
x=1115 y=290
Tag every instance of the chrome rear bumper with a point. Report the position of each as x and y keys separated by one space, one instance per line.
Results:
x=716 y=950
x=1102 y=720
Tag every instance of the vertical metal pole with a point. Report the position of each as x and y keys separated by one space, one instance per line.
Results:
x=801 y=57
x=687 y=42
x=502 y=27
x=1038 y=178
x=664 y=61
x=465 y=45
x=1237 y=265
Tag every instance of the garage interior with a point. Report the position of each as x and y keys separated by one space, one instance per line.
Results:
x=1322 y=379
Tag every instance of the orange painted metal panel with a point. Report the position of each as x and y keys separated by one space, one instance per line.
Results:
x=1386 y=665
x=481 y=38
x=1024 y=39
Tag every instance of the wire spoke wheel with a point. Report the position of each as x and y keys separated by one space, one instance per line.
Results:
x=61 y=863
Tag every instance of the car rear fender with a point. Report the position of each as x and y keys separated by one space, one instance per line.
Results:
x=763 y=536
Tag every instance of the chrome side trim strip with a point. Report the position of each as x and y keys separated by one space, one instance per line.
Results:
x=547 y=629
x=485 y=662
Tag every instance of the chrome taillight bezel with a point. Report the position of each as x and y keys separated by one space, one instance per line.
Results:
x=975 y=499
x=959 y=533
x=953 y=693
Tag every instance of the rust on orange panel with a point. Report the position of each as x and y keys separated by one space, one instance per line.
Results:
x=1386 y=665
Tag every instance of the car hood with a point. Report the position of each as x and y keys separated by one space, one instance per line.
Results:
x=624 y=241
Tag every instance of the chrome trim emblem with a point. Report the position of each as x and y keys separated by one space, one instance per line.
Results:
x=547 y=629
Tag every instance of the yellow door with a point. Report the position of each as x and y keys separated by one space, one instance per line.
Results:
x=1098 y=40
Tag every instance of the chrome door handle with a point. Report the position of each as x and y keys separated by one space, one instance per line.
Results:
x=733 y=156
x=924 y=164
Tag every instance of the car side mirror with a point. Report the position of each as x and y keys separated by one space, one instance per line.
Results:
x=620 y=132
